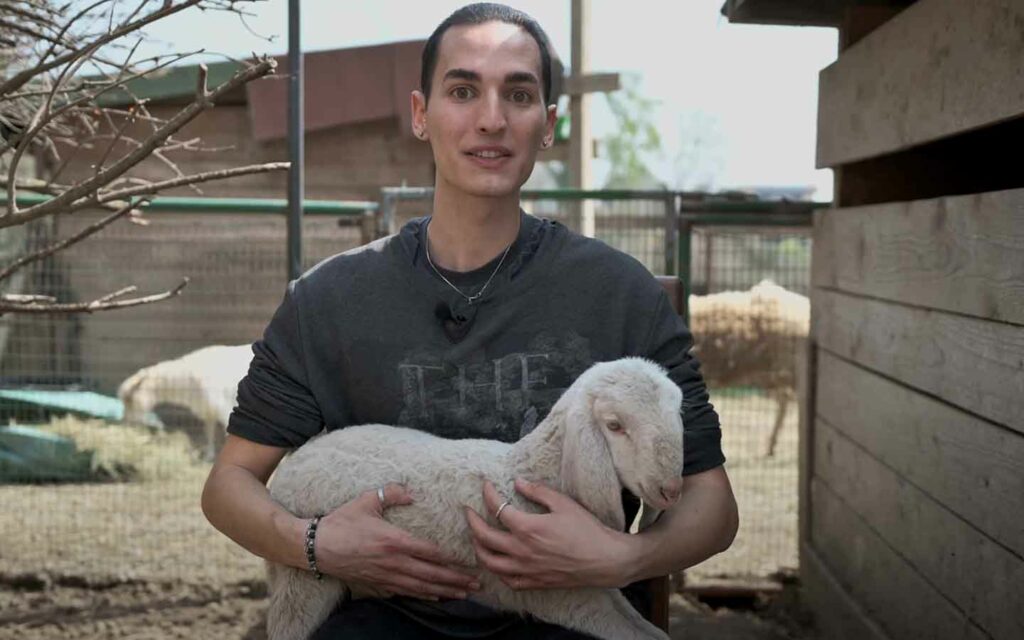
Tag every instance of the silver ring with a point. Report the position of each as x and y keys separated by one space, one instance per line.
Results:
x=497 y=514
x=380 y=495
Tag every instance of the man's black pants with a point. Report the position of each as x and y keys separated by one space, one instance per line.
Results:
x=377 y=620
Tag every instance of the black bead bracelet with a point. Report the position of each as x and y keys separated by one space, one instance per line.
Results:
x=311 y=546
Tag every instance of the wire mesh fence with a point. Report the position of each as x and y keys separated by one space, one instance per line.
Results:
x=96 y=487
x=103 y=465
x=750 y=316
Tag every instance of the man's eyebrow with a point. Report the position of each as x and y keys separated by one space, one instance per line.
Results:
x=462 y=74
x=521 y=77
x=515 y=77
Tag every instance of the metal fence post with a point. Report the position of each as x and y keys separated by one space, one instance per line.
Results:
x=685 y=274
x=671 y=235
x=296 y=143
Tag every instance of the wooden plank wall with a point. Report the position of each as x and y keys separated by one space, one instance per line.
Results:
x=912 y=481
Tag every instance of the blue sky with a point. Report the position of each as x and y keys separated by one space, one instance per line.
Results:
x=747 y=94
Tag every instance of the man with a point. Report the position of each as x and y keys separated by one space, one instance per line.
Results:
x=469 y=323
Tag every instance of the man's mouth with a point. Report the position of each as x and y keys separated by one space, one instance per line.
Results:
x=489 y=153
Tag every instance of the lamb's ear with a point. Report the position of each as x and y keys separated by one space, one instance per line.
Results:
x=648 y=516
x=588 y=474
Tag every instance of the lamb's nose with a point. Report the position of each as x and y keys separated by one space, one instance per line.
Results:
x=671 y=490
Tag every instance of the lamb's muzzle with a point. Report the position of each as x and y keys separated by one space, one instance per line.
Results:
x=618 y=425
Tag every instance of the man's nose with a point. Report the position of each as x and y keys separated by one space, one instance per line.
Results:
x=491 y=117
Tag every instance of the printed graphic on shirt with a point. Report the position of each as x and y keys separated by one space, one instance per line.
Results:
x=500 y=398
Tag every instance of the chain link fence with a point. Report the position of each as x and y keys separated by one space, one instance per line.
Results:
x=102 y=489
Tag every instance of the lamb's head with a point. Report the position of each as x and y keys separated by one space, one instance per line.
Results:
x=626 y=414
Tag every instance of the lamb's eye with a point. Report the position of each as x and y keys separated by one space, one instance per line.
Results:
x=614 y=425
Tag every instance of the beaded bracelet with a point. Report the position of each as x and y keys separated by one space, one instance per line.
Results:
x=311 y=546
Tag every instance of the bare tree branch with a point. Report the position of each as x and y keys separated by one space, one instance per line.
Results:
x=195 y=178
x=45 y=103
x=168 y=8
x=45 y=304
x=186 y=115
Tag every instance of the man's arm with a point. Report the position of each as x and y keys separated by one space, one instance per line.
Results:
x=703 y=523
x=236 y=502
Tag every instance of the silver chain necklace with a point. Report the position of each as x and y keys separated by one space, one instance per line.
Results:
x=469 y=299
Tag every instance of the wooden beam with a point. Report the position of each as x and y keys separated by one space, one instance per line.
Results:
x=971 y=467
x=960 y=254
x=981 y=579
x=971 y=162
x=817 y=13
x=889 y=590
x=581 y=140
x=860 y=20
x=591 y=83
x=938 y=68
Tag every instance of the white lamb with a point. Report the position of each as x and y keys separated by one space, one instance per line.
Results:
x=204 y=381
x=618 y=425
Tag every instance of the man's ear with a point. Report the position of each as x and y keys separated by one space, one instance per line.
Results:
x=418 y=104
x=551 y=119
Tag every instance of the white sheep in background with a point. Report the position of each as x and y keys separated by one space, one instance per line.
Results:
x=619 y=422
x=752 y=338
x=204 y=381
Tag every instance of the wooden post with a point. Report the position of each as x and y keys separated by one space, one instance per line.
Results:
x=581 y=141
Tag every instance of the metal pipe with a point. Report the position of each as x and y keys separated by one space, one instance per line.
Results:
x=295 y=142
x=767 y=218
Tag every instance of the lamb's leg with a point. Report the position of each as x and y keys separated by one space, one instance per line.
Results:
x=216 y=434
x=209 y=450
x=602 y=613
x=780 y=419
x=299 y=603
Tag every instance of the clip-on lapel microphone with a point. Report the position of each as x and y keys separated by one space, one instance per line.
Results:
x=455 y=325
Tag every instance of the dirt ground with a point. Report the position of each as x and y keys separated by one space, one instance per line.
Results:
x=139 y=560
x=37 y=607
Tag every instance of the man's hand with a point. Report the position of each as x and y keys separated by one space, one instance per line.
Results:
x=354 y=543
x=567 y=547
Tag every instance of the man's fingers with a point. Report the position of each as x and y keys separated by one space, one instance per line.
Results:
x=417 y=588
x=490 y=537
x=540 y=493
x=492 y=499
x=513 y=519
x=423 y=549
x=394 y=495
x=496 y=563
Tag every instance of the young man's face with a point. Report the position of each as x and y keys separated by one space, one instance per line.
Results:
x=486 y=119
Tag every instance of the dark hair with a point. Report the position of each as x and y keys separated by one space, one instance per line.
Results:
x=480 y=13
